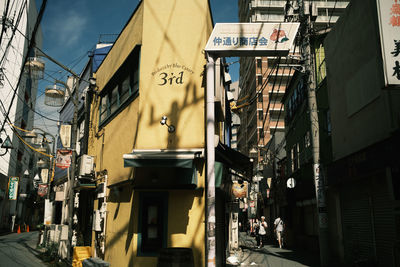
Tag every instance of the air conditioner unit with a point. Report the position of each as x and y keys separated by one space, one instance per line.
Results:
x=86 y=165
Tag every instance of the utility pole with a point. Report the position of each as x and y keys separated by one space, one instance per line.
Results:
x=211 y=252
x=74 y=97
x=71 y=193
x=306 y=29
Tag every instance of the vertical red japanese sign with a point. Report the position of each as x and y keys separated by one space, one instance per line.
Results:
x=389 y=25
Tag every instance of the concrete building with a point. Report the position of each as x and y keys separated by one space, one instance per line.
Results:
x=18 y=97
x=364 y=177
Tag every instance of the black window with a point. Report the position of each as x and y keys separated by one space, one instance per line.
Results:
x=122 y=88
x=259 y=63
x=261 y=132
x=260 y=97
x=260 y=115
x=260 y=80
x=153 y=209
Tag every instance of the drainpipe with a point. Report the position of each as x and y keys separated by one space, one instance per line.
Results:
x=210 y=182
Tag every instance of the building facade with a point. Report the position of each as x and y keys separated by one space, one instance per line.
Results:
x=153 y=167
x=18 y=86
x=364 y=176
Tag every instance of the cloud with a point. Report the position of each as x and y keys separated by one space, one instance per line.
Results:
x=66 y=30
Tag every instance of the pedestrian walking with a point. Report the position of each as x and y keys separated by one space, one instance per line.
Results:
x=255 y=231
x=262 y=231
x=279 y=226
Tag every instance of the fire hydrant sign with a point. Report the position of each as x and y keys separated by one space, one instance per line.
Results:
x=13 y=188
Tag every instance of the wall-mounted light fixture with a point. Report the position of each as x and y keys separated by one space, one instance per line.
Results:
x=5 y=144
x=171 y=128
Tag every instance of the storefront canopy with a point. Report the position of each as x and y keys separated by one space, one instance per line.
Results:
x=234 y=160
x=177 y=158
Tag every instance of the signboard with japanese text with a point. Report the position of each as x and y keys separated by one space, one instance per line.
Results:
x=389 y=24
x=42 y=190
x=65 y=135
x=252 y=39
x=45 y=175
x=63 y=160
x=13 y=188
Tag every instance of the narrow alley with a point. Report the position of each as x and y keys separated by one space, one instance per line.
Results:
x=271 y=255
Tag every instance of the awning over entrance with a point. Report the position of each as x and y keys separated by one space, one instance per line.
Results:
x=178 y=158
x=164 y=168
x=234 y=160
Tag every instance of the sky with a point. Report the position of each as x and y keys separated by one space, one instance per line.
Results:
x=70 y=29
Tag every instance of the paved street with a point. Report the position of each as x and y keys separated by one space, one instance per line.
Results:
x=19 y=250
x=272 y=256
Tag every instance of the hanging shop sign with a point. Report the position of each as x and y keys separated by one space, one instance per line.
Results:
x=239 y=190
x=65 y=135
x=63 y=160
x=59 y=192
x=13 y=188
x=389 y=25
x=172 y=74
x=252 y=39
x=45 y=175
x=42 y=190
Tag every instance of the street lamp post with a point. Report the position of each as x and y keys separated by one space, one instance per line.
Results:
x=53 y=153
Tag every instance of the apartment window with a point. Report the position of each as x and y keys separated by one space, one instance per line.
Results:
x=260 y=97
x=328 y=122
x=295 y=157
x=260 y=80
x=19 y=155
x=307 y=139
x=261 y=132
x=292 y=159
x=122 y=88
x=259 y=63
x=153 y=220
x=260 y=114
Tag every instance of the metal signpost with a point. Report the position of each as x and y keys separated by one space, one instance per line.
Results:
x=235 y=40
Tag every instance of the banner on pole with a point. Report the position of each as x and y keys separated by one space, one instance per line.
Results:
x=63 y=160
x=13 y=188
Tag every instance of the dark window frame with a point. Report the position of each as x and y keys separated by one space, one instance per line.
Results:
x=146 y=246
x=115 y=103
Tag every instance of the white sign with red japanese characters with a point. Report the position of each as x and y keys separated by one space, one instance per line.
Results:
x=389 y=24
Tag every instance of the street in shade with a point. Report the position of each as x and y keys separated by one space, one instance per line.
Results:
x=18 y=250
x=270 y=255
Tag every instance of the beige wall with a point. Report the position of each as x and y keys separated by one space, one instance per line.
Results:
x=174 y=32
x=172 y=35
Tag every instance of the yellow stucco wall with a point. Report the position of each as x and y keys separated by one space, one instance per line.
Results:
x=172 y=35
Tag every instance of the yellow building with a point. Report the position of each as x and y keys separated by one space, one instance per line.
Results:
x=154 y=172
